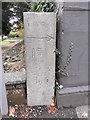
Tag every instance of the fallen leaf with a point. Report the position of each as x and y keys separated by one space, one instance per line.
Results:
x=84 y=114
x=11 y=111
x=16 y=107
x=51 y=108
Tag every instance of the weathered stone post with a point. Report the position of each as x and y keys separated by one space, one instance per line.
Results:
x=40 y=40
x=3 y=98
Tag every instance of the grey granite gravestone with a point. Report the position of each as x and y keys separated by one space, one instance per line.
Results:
x=40 y=40
x=3 y=99
x=75 y=26
x=74 y=29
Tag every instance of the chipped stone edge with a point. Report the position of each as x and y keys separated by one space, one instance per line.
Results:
x=15 y=77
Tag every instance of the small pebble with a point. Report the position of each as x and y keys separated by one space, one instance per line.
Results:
x=39 y=107
x=35 y=115
x=40 y=111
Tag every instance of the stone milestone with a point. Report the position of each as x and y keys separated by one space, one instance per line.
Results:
x=40 y=40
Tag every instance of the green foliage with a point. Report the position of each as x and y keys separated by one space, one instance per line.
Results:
x=59 y=53
x=7 y=13
x=4 y=43
x=19 y=8
x=49 y=6
x=43 y=6
x=62 y=69
x=13 y=34
x=20 y=31
x=36 y=7
x=16 y=9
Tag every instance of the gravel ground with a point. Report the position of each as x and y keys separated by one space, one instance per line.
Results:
x=24 y=111
x=13 y=59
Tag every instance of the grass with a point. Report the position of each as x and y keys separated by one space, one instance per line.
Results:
x=8 y=40
x=4 y=43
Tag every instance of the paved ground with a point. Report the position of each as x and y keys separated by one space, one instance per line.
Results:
x=83 y=111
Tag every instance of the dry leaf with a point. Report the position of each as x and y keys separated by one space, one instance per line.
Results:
x=11 y=111
x=84 y=114
x=16 y=107
x=52 y=108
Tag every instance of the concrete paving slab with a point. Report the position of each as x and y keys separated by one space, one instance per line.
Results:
x=76 y=96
